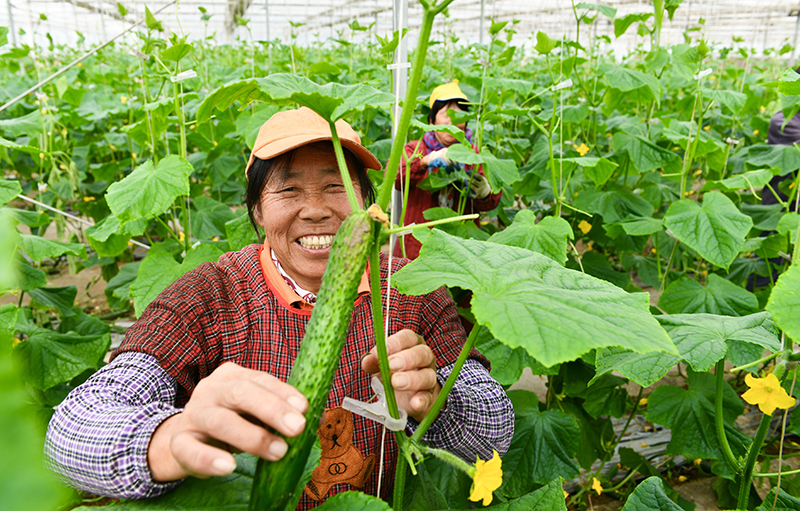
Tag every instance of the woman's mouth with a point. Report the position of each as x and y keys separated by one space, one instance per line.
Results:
x=315 y=242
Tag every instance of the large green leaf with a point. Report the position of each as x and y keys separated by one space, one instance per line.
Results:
x=31 y=124
x=499 y=172
x=689 y=414
x=8 y=321
x=701 y=339
x=785 y=502
x=788 y=225
x=605 y=10
x=39 y=248
x=615 y=204
x=48 y=357
x=9 y=190
x=543 y=446
x=332 y=100
x=109 y=238
x=645 y=155
x=549 y=237
x=641 y=226
x=459 y=134
x=784 y=158
x=240 y=232
x=650 y=495
x=149 y=190
x=718 y=296
x=463 y=153
x=117 y=289
x=547 y=498
x=507 y=363
x=752 y=180
x=784 y=302
x=354 y=501
x=527 y=300
x=622 y=24
x=596 y=169
x=30 y=277
x=734 y=100
x=62 y=298
x=631 y=80
x=716 y=230
x=25 y=483
x=29 y=218
x=159 y=270
x=208 y=221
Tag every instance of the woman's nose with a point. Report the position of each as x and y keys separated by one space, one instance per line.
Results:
x=315 y=209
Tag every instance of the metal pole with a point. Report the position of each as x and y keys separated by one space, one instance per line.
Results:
x=399 y=80
x=794 y=41
x=482 y=28
x=14 y=31
x=266 y=11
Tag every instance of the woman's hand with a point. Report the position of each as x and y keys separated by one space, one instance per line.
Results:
x=413 y=367
x=229 y=410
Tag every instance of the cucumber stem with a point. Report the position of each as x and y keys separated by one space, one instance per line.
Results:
x=348 y=182
x=719 y=418
x=755 y=448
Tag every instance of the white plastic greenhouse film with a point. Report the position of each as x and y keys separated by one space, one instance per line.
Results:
x=399 y=78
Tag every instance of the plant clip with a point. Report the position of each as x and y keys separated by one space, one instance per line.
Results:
x=399 y=65
x=137 y=53
x=189 y=73
x=703 y=74
x=563 y=85
x=732 y=141
x=377 y=411
x=407 y=231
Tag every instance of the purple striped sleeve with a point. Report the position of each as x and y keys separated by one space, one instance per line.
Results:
x=98 y=436
x=478 y=416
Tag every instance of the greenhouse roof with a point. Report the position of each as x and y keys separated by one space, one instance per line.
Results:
x=761 y=24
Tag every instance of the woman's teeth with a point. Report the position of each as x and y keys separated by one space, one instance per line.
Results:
x=316 y=242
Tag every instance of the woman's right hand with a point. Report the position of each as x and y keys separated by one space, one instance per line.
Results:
x=230 y=410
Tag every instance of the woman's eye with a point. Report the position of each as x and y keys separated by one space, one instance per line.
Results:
x=289 y=189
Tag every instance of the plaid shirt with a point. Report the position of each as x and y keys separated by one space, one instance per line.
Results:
x=226 y=311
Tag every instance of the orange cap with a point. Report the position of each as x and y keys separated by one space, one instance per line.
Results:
x=291 y=129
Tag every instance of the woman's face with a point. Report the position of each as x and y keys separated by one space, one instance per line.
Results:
x=301 y=213
x=447 y=139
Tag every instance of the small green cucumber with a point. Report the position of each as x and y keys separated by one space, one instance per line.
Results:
x=275 y=483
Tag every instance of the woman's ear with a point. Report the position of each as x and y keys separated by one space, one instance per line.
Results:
x=257 y=215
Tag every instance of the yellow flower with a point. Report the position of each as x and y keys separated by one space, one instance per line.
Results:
x=682 y=478
x=675 y=148
x=705 y=273
x=763 y=108
x=706 y=128
x=643 y=401
x=88 y=198
x=566 y=494
x=643 y=445
x=123 y=99
x=767 y=393
x=487 y=478
x=596 y=486
x=589 y=246
x=41 y=156
x=64 y=132
x=181 y=236
x=215 y=143
x=44 y=110
x=582 y=149
x=80 y=64
x=653 y=250
x=215 y=238
x=113 y=147
x=697 y=462
x=755 y=132
x=585 y=226
x=133 y=155
x=62 y=166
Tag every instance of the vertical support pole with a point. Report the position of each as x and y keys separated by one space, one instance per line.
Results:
x=14 y=31
x=794 y=41
x=399 y=82
x=266 y=14
x=482 y=28
x=766 y=32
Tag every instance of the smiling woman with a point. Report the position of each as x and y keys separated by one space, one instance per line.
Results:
x=202 y=372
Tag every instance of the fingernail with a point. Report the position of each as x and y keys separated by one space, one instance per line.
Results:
x=294 y=421
x=400 y=381
x=297 y=403
x=223 y=467
x=278 y=448
x=395 y=364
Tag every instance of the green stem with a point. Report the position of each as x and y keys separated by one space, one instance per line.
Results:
x=755 y=448
x=404 y=228
x=760 y=361
x=442 y=397
x=628 y=422
x=452 y=459
x=348 y=182
x=719 y=418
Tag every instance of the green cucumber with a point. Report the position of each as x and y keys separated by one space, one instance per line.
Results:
x=275 y=483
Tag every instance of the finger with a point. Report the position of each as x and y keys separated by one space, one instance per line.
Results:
x=232 y=372
x=402 y=340
x=200 y=459
x=412 y=358
x=251 y=398
x=420 y=402
x=227 y=426
x=410 y=381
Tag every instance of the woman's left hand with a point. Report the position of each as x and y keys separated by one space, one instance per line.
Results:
x=413 y=367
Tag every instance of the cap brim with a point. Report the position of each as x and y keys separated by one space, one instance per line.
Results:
x=285 y=145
